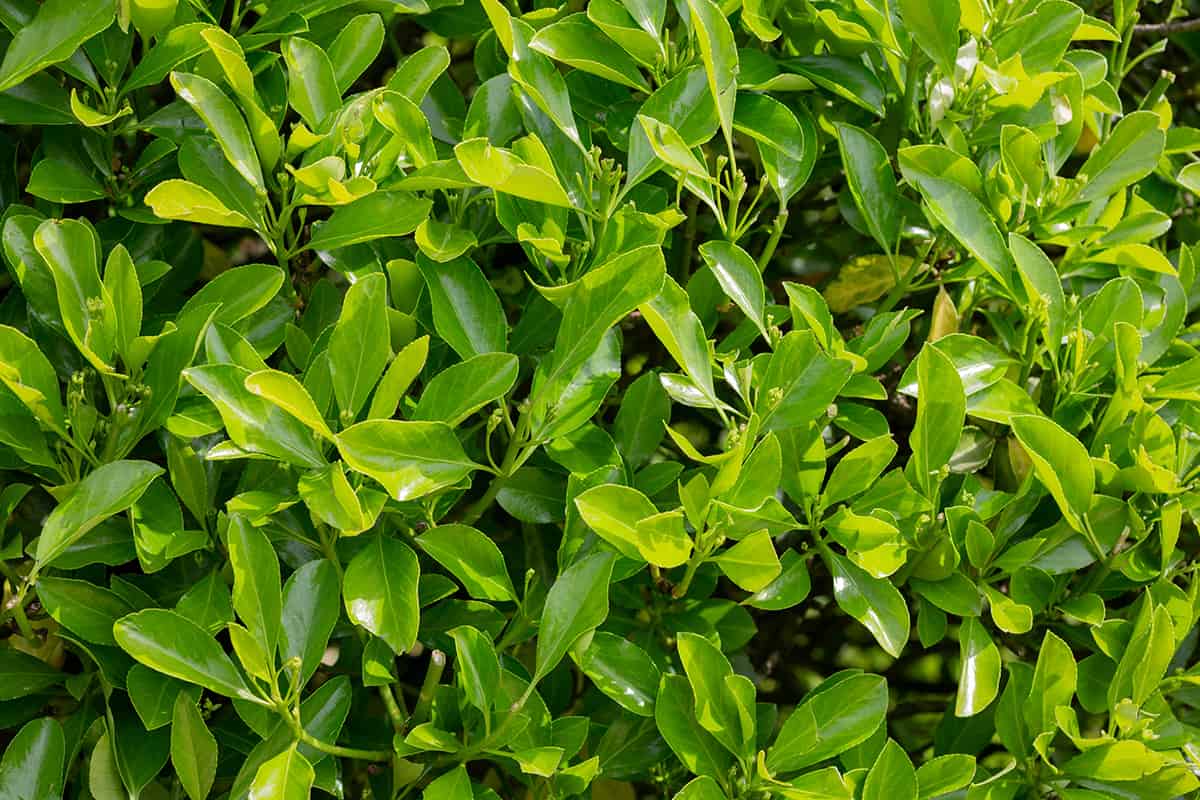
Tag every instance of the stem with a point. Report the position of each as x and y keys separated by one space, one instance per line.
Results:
x=18 y=610
x=512 y=459
x=393 y=709
x=433 y=676
x=777 y=227
x=337 y=750
x=693 y=564
x=1168 y=28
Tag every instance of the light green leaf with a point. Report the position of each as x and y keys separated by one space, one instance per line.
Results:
x=472 y=557
x=1061 y=463
x=287 y=776
x=380 y=592
x=575 y=605
x=107 y=490
x=941 y=409
x=410 y=459
x=751 y=563
x=193 y=748
x=934 y=27
x=979 y=673
x=872 y=182
x=312 y=84
x=739 y=278
x=224 y=121
x=874 y=602
x=56 y=32
x=376 y=216
x=359 y=347
x=171 y=643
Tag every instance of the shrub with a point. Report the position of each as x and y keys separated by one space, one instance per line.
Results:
x=626 y=399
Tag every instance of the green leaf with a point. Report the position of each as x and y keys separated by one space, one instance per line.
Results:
x=312 y=84
x=788 y=589
x=1129 y=153
x=478 y=666
x=286 y=392
x=858 y=470
x=979 y=673
x=675 y=717
x=846 y=77
x=376 y=216
x=104 y=778
x=751 y=563
x=184 y=200
x=359 y=347
x=309 y=614
x=1061 y=463
x=32 y=766
x=24 y=674
x=410 y=459
x=671 y=318
x=287 y=776
x=1042 y=281
x=1040 y=38
x=641 y=419
x=508 y=173
x=56 y=32
x=466 y=311
x=786 y=138
x=380 y=592
x=616 y=512
x=257 y=597
x=941 y=409
x=719 y=706
x=28 y=374
x=70 y=249
x=892 y=777
x=934 y=27
x=193 y=749
x=839 y=714
x=874 y=602
x=452 y=785
x=254 y=424
x=600 y=299
x=718 y=51
x=472 y=557
x=224 y=121
x=623 y=671
x=459 y=391
x=576 y=41
x=618 y=24
x=108 y=490
x=964 y=216
x=443 y=241
x=181 y=43
x=83 y=608
x=799 y=383
x=944 y=774
x=1053 y=684
x=872 y=182
x=702 y=788
x=399 y=376
x=575 y=605
x=739 y=278
x=171 y=643
x=356 y=46
x=63 y=182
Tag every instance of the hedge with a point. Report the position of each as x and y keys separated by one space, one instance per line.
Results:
x=465 y=399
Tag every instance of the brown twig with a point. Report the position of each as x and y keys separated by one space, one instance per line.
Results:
x=1168 y=28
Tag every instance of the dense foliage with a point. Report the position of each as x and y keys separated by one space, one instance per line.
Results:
x=624 y=399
